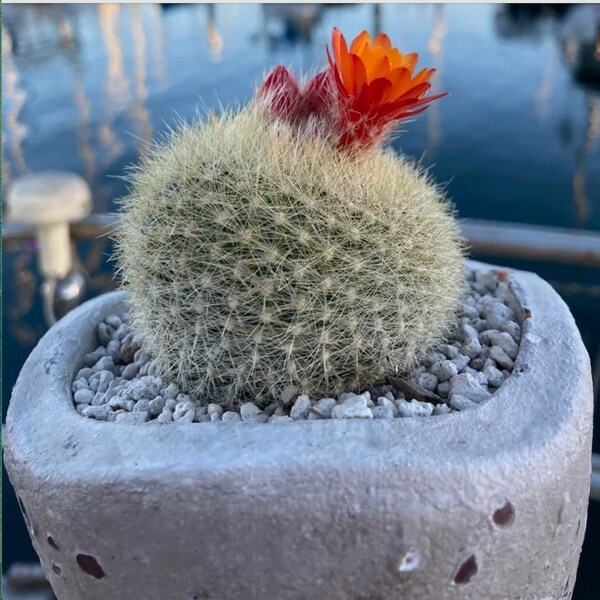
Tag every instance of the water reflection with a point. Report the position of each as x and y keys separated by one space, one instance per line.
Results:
x=116 y=88
x=290 y=24
x=213 y=35
x=13 y=131
x=575 y=33
x=529 y=20
x=435 y=47
x=140 y=114
x=84 y=110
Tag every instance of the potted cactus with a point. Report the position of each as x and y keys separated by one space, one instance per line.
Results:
x=330 y=401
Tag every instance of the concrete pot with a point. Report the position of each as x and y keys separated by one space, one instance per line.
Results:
x=483 y=504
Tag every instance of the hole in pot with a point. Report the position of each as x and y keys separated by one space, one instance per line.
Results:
x=410 y=561
x=52 y=543
x=466 y=571
x=90 y=565
x=504 y=516
x=56 y=569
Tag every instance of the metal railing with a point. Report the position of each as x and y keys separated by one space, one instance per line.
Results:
x=485 y=238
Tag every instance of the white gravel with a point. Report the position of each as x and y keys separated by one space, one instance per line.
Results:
x=119 y=382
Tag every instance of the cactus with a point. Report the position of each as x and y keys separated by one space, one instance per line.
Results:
x=280 y=247
x=256 y=258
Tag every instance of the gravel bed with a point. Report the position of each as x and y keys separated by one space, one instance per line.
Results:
x=119 y=382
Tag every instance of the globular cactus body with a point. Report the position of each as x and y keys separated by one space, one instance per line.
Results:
x=257 y=258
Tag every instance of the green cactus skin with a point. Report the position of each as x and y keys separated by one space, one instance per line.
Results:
x=257 y=258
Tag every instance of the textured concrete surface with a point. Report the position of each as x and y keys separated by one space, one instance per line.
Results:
x=487 y=504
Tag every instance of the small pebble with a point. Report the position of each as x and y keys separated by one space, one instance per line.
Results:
x=84 y=373
x=443 y=389
x=114 y=321
x=184 y=412
x=104 y=335
x=354 y=407
x=80 y=384
x=99 y=399
x=489 y=363
x=382 y=412
x=104 y=364
x=427 y=380
x=134 y=418
x=472 y=348
x=93 y=357
x=441 y=409
x=81 y=407
x=445 y=370
x=513 y=330
x=414 y=408
x=130 y=371
x=388 y=403
x=459 y=402
x=497 y=314
x=104 y=379
x=281 y=419
x=166 y=416
x=504 y=340
x=250 y=413
x=477 y=364
x=460 y=362
x=466 y=385
x=96 y=412
x=171 y=391
x=214 y=409
x=322 y=409
x=231 y=417
x=500 y=356
x=300 y=408
x=449 y=351
x=143 y=404
x=156 y=406
x=83 y=396
x=495 y=377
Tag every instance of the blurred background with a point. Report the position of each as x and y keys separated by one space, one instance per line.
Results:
x=86 y=88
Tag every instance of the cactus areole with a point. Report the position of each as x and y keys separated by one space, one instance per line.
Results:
x=281 y=246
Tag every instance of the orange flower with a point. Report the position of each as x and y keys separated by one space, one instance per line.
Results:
x=376 y=86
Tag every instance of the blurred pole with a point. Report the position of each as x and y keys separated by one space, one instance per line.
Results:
x=377 y=29
x=435 y=46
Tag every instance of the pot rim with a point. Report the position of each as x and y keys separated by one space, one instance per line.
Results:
x=545 y=400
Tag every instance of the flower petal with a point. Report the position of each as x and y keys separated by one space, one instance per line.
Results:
x=410 y=61
x=382 y=41
x=423 y=75
x=355 y=75
x=360 y=42
x=380 y=67
x=339 y=46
